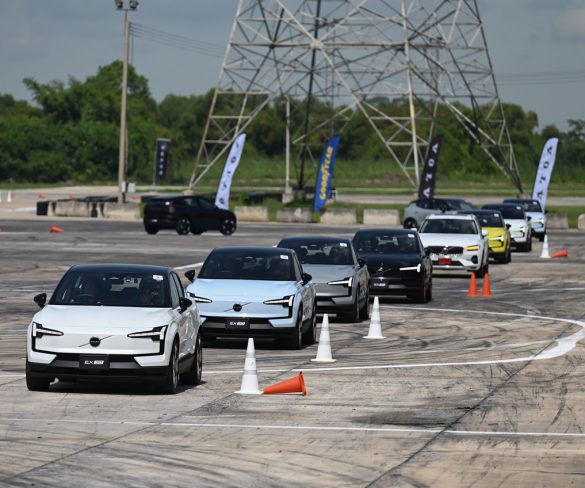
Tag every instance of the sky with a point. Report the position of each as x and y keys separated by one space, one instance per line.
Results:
x=537 y=47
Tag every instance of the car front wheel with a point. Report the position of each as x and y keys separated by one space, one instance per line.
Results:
x=296 y=339
x=171 y=381
x=36 y=384
x=310 y=336
x=410 y=224
x=151 y=230
x=193 y=376
x=366 y=307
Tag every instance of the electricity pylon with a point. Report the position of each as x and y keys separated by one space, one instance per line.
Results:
x=356 y=57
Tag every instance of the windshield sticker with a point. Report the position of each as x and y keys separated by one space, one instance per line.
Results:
x=343 y=244
x=283 y=256
x=157 y=277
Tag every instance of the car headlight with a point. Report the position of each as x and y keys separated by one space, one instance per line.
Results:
x=199 y=299
x=345 y=282
x=475 y=247
x=498 y=238
x=286 y=301
x=412 y=268
x=156 y=334
x=39 y=331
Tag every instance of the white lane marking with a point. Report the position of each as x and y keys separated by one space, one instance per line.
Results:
x=564 y=345
x=195 y=265
x=199 y=425
x=11 y=375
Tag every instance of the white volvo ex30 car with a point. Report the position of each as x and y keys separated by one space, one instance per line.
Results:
x=255 y=292
x=455 y=243
x=520 y=224
x=115 y=321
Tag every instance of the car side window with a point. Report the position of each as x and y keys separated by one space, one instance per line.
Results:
x=354 y=258
x=174 y=292
x=298 y=268
x=206 y=204
x=177 y=281
x=423 y=203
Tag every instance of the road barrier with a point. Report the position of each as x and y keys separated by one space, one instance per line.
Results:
x=293 y=215
x=252 y=214
x=557 y=221
x=339 y=216
x=374 y=216
x=581 y=222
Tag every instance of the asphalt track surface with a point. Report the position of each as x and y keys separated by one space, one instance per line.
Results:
x=462 y=391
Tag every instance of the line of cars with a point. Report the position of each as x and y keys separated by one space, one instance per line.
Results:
x=138 y=322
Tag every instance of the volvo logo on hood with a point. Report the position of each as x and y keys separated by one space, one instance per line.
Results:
x=237 y=307
x=95 y=341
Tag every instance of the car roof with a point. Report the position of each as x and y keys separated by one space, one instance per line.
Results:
x=386 y=230
x=479 y=211
x=254 y=249
x=520 y=200
x=119 y=268
x=301 y=239
x=451 y=217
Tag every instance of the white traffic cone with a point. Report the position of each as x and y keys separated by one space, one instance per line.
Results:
x=324 y=349
x=9 y=197
x=250 y=376
x=544 y=254
x=375 y=331
x=0 y=197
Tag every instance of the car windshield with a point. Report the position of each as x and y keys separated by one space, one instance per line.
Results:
x=387 y=243
x=248 y=265
x=448 y=226
x=460 y=204
x=320 y=252
x=490 y=219
x=512 y=212
x=112 y=289
x=530 y=206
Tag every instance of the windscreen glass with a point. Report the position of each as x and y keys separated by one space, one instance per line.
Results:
x=248 y=265
x=319 y=252
x=110 y=289
x=448 y=226
x=387 y=243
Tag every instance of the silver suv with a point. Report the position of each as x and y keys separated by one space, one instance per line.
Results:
x=418 y=210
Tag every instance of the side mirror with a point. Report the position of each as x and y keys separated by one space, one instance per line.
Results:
x=184 y=303
x=528 y=217
x=508 y=226
x=484 y=233
x=190 y=275
x=427 y=251
x=40 y=299
x=362 y=262
x=306 y=277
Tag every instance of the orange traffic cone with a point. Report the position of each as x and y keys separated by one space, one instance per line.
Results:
x=57 y=230
x=561 y=254
x=42 y=196
x=472 y=286
x=486 y=291
x=292 y=385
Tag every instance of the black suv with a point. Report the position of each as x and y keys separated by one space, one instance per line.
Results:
x=187 y=213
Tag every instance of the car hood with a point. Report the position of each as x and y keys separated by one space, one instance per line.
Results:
x=323 y=273
x=449 y=239
x=376 y=261
x=241 y=289
x=515 y=223
x=495 y=231
x=95 y=316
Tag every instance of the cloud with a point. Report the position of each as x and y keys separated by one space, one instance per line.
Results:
x=570 y=25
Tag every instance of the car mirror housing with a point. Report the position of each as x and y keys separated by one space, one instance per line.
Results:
x=184 y=303
x=362 y=262
x=427 y=251
x=306 y=277
x=190 y=275
x=484 y=233
x=528 y=217
x=508 y=226
x=40 y=299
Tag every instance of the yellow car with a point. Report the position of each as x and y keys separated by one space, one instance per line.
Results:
x=499 y=240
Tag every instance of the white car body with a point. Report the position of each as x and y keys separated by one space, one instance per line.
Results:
x=455 y=251
x=101 y=342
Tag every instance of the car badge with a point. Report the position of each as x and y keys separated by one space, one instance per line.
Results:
x=237 y=307
x=95 y=341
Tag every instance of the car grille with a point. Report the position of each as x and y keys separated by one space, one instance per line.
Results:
x=445 y=249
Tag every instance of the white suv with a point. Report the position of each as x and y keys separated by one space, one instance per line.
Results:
x=115 y=321
x=455 y=243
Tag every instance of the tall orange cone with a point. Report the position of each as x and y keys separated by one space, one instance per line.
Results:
x=561 y=254
x=472 y=286
x=292 y=385
x=56 y=229
x=486 y=291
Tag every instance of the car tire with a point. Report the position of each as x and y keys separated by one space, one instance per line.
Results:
x=228 y=226
x=529 y=245
x=193 y=376
x=420 y=296
x=354 y=315
x=310 y=336
x=171 y=381
x=480 y=273
x=183 y=226
x=151 y=230
x=35 y=383
x=295 y=341
x=366 y=307
x=410 y=224
x=430 y=290
x=541 y=237
x=196 y=230
x=509 y=259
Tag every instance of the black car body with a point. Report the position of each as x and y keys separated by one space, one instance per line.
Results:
x=397 y=262
x=187 y=213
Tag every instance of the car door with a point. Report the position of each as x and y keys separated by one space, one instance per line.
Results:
x=361 y=272
x=307 y=290
x=181 y=319
x=208 y=213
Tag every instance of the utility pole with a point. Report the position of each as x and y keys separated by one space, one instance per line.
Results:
x=123 y=152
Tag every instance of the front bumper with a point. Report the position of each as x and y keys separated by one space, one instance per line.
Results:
x=396 y=284
x=460 y=262
x=215 y=326
x=333 y=298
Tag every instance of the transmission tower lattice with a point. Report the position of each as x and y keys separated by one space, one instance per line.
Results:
x=357 y=56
